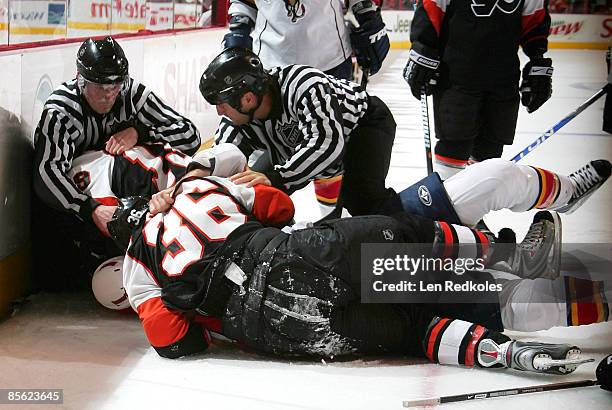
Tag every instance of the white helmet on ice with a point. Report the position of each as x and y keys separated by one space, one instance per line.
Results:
x=107 y=284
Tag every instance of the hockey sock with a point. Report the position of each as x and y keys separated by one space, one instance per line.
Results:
x=448 y=236
x=553 y=190
x=529 y=305
x=327 y=190
x=586 y=301
x=456 y=342
x=446 y=167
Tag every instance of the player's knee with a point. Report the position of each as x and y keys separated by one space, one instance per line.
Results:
x=501 y=170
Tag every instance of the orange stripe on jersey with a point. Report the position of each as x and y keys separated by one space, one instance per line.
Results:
x=162 y=326
x=272 y=206
x=435 y=14
x=108 y=201
x=471 y=347
x=532 y=20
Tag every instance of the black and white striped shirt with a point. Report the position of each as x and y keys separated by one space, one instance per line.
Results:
x=318 y=113
x=68 y=127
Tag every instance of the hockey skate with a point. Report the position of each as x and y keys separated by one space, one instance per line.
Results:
x=531 y=356
x=539 y=253
x=586 y=180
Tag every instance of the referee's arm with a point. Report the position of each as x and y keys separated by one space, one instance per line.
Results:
x=53 y=154
x=160 y=122
x=320 y=120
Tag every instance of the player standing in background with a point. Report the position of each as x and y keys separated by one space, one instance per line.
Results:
x=312 y=33
x=311 y=124
x=464 y=52
x=102 y=108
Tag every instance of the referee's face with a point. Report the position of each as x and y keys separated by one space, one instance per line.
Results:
x=233 y=114
x=101 y=97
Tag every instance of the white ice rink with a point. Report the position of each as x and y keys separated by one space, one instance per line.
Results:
x=102 y=359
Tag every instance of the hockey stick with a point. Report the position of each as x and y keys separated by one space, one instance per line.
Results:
x=427 y=138
x=549 y=132
x=365 y=74
x=500 y=393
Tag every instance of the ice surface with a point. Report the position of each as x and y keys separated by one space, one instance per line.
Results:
x=102 y=359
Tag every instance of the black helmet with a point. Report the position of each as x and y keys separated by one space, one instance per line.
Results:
x=130 y=214
x=102 y=61
x=231 y=74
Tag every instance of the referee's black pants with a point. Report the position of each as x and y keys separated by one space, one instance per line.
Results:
x=366 y=164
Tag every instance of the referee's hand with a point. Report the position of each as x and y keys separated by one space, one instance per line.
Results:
x=250 y=178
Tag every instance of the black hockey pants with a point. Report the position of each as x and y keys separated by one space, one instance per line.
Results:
x=303 y=295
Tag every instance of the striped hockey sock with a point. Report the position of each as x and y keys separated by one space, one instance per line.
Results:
x=554 y=189
x=327 y=190
x=455 y=342
x=585 y=301
x=451 y=240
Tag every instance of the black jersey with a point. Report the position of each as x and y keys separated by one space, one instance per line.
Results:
x=478 y=40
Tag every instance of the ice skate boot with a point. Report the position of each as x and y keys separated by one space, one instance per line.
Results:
x=586 y=180
x=530 y=356
x=539 y=253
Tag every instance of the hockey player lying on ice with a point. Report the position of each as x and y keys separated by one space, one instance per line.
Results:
x=216 y=260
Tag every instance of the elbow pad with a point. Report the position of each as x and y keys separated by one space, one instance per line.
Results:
x=223 y=160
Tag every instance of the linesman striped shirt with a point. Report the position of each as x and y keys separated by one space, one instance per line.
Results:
x=313 y=117
x=68 y=127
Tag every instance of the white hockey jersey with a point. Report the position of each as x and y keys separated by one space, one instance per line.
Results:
x=310 y=32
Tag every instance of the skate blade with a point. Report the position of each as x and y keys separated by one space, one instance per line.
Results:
x=570 y=209
x=544 y=363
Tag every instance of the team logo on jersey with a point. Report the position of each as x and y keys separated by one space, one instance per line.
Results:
x=388 y=234
x=295 y=10
x=424 y=195
x=290 y=132
x=484 y=8
x=82 y=180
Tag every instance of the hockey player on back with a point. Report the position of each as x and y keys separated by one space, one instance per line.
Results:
x=465 y=53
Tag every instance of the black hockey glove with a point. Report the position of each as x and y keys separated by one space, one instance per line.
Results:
x=536 y=87
x=240 y=33
x=422 y=70
x=370 y=40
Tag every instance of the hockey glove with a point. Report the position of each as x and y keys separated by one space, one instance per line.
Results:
x=370 y=41
x=422 y=70
x=240 y=33
x=536 y=87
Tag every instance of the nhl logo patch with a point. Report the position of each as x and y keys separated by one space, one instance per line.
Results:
x=424 y=195
x=290 y=133
x=388 y=234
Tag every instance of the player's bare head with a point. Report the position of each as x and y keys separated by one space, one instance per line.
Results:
x=130 y=215
x=102 y=72
x=232 y=74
